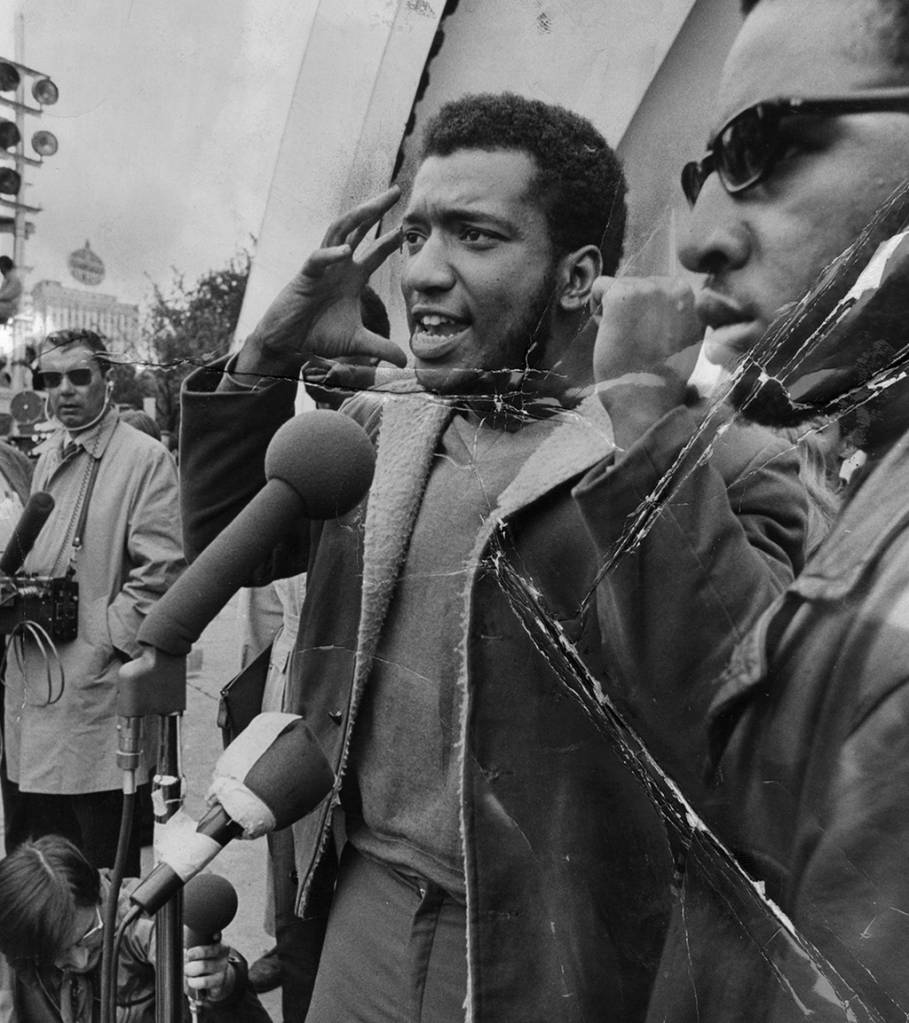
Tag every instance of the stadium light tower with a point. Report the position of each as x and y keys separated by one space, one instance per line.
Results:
x=15 y=78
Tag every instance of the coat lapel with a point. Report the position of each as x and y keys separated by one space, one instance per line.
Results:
x=408 y=437
x=583 y=437
x=411 y=427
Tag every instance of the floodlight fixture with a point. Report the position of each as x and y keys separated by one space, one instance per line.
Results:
x=45 y=143
x=9 y=134
x=9 y=77
x=45 y=92
x=10 y=181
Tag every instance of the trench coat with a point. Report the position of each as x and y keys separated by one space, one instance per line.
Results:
x=567 y=864
x=60 y=714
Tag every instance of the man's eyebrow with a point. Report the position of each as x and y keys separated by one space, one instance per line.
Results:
x=459 y=214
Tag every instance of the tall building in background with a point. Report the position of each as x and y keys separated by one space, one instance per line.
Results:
x=54 y=307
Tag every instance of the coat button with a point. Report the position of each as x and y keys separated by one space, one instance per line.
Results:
x=337 y=716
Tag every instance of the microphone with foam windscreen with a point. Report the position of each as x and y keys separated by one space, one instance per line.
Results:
x=271 y=775
x=209 y=905
x=35 y=513
x=319 y=465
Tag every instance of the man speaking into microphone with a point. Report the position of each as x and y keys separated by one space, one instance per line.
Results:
x=114 y=532
x=501 y=862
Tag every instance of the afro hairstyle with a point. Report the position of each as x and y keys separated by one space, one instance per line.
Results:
x=579 y=182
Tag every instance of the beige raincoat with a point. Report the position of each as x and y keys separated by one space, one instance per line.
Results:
x=61 y=721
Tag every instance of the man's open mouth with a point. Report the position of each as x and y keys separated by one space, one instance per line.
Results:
x=435 y=335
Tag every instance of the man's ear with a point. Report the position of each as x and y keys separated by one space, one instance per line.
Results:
x=576 y=273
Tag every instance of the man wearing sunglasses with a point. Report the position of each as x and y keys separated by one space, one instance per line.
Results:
x=805 y=734
x=114 y=531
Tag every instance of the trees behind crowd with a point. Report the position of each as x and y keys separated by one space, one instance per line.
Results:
x=183 y=327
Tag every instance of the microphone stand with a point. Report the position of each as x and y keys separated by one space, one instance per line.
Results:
x=129 y=753
x=155 y=683
x=167 y=798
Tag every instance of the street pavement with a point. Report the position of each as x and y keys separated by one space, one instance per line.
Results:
x=212 y=663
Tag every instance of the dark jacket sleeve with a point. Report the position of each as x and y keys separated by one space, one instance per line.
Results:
x=690 y=580
x=223 y=439
x=851 y=886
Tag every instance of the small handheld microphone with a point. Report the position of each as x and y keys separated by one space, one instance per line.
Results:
x=209 y=905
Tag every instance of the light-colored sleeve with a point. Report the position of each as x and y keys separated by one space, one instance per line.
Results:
x=153 y=548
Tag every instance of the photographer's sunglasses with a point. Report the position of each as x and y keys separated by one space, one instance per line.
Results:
x=745 y=150
x=50 y=378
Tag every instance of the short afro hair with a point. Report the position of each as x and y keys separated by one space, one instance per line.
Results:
x=6 y=264
x=579 y=183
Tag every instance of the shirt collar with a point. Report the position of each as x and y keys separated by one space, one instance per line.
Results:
x=95 y=439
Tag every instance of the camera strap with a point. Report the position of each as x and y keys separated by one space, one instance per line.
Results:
x=83 y=513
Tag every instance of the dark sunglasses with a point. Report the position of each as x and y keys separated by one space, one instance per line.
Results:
x=49 y=378
x=745 y=150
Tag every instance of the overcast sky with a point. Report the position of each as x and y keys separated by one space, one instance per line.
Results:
x=169 y=118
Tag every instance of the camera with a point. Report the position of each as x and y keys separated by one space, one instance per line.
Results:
x=50 y=602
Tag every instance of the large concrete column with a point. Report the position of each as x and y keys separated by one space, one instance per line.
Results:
x=356 y=86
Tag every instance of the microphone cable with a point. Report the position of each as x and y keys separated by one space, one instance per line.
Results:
x=111 y=941
x=52 y=661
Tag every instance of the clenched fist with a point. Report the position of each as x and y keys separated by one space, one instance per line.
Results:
x=642 y=323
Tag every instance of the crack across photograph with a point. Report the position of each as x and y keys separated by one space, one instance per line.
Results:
x=557 y=515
